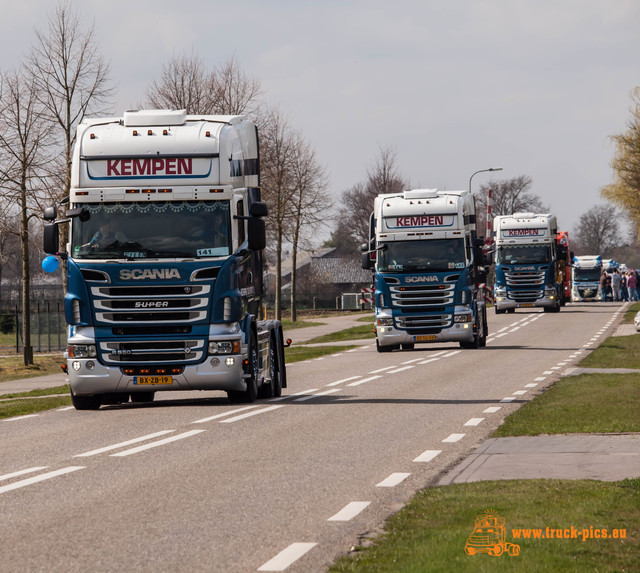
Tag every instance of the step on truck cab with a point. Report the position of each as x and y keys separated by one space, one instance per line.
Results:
x=586 y=273
x=428 y=265
x=164 y=260
x=527 y=262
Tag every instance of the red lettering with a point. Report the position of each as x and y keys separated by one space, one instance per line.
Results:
x=126 y=167
x=141 y=167
x=185 y=166
x=157 y=165
x=170 y=165
x=112 y=167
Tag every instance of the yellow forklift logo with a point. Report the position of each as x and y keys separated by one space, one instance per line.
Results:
x=488 y=536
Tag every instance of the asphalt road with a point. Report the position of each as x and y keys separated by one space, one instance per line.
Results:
x=193 y=483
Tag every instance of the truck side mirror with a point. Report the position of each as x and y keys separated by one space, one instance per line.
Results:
x=50 y=213
x=258 y=209
x=51 y=239
x=367 y=263
x=257 y=235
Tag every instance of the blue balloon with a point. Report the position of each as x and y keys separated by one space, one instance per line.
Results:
x=50 y=264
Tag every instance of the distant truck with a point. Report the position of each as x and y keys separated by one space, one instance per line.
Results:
x=527 y=262
x=586 y=273
x=164 y=260
x=428 y=267
x=565 y=257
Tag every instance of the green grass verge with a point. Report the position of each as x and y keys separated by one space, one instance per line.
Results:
x=24 y=403
x=629 y=315
x=580 y=404
x=615 y=352
x=13 y=368
x=430 y=533
x=355 y=333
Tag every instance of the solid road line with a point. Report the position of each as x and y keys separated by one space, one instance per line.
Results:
x=156 y=444
x=41 y=477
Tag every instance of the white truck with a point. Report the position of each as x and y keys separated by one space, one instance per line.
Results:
x=586 y=273
x=164 y=260
x=527 y=262
x=428 y=265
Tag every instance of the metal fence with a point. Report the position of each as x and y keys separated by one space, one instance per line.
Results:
x=48 y=328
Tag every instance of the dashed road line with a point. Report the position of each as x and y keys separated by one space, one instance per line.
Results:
x=249 y=414
x=123 y=444
x=287 y=557
x=454 y=438
x=393 y=480
x=349 y=511
x=427 y=456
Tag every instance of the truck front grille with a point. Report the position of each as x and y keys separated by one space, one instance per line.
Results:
x=153 y=352
x=413 y=298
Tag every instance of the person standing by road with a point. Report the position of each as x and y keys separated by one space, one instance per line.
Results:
x=616 y=283
x=603 y=286
x=632 y=283
x=624 y=292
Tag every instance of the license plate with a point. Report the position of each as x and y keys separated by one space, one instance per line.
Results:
x=526 y=305
x=426 y=338
x=152 y=380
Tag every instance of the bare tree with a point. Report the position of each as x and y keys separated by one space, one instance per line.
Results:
x=25 y=158
x=310 y=204
x=383 y=177
x=597 y=232
x=70 y=76
x=278 y=153
x=185 y=83
x=509 y=196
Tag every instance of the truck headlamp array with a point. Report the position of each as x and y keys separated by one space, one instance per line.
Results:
x=224 y=347
x=385 y=321
x=462 y=318
x=82 y=351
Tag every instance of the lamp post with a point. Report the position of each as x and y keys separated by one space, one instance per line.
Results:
x=482 y=171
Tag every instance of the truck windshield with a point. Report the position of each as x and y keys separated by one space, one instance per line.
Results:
x=152 y=230
x=586 y=274
x=523 y=254
x=430 y=255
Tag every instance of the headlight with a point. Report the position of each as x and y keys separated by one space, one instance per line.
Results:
x=224 y=347
x=500 y=291
x=462 y=318
x=385 y=321
x=82 y=351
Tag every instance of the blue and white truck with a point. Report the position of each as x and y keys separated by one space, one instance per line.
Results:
x=428 y=267
x=586 y=273
x=164 y=260
x=527 y=262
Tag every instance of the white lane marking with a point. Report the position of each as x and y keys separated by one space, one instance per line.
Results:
x=540 y=379
x=303 y=393
x=427 y=456
x=249 y=414
x=501 y=335
x=336 y=355
x=22 y=472
x=41 y=477
x=492 y=410
x=513 y=330
x=400 y=369
x=349 y=511
x=411 y=361
x=123 y=444
x=547 y=372
x=519 y=392
x=454 y=438
x=156 y=444
x=21 y=417
x=381 y=369
x=223 y=414
x=532 y=385
x=451 y=353
x=508 y=399
x=429 y=360
x=346 y=380
x=287 y=557
x=393 y=480
x=503 y=328
x=439 y=353
x=65 y=408
x=325 y=393
x=474 y=422
x=556 y=368
x=363 y=381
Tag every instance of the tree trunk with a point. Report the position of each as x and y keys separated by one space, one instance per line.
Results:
x=26 y=284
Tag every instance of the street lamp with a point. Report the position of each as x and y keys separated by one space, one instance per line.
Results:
x=482 y=171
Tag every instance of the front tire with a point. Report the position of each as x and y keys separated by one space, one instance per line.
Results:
x=251 y=393
x=383 y=348
x=86 y=402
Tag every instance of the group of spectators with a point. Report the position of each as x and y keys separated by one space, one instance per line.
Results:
x=620 y=286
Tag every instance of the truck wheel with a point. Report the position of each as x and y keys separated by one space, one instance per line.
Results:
x=251 y=393
x=496 y=551
x=407 y=346
x=483 y=339
x=274 y=388
x=383 y=348
x=500 y=310
x=86 y=402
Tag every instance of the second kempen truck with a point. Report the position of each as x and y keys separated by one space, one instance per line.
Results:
x=528 y=269
x=164 y=260
x=428 y=265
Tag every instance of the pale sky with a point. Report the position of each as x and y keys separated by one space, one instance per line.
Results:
x=453 y=86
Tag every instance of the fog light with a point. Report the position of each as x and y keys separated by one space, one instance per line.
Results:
x=215 y=361
x=75 y=365
x=229 y=361
x=90 y=364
